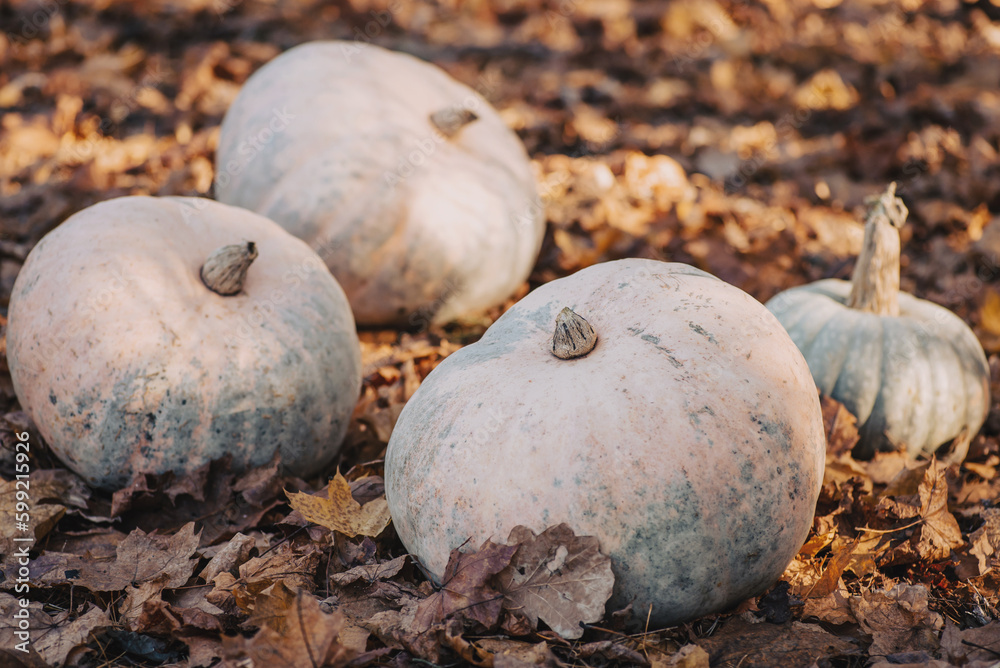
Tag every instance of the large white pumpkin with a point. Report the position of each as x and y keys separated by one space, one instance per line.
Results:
x=410 y=186
x=689 y=440
x=127 y=361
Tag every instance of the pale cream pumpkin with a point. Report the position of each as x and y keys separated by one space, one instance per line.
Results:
x=408 y=183
x=664 y=411
x=127 y=361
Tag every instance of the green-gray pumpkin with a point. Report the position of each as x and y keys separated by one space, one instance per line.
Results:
x=912 y=372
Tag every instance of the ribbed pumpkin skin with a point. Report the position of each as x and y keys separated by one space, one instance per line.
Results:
x=415 y=226
x=921 y=376
x=689 y=440
x=127 y=362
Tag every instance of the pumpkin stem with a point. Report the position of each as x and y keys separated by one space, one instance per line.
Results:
x=574 y=337
x=452 y=119
x=875 y=281
x=225 y=270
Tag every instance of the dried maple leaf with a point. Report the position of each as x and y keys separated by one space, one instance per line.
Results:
x=742 y=643
x=897 y=619
x=340 y=512
x=308 y=638
x=163 y=618
x=558 y=577
x=841 y=426
x=235 y=553
x=136 y=597
x=50 y=492
x=465 y=589
x=144 y=558
x=509 y=653
x=213 y=495
x=467 y=651
x=271 y=606
x=964 y=647
x=921 y=496
x=53 y=637
x=609 y=651
x=827 y=582
x=940 y=533
x=294 y=565
x=985 y=541
x=833 y=609
x=370 y=572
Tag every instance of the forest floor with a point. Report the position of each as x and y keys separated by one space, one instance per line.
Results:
x=782 y=115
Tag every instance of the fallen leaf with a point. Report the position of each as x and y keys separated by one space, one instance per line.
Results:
x=293 y=565
x=885 y=466
x=969 y=645
x=939 y=533
x=340 y=512
x=260 y=486
x=163 y=618
x=141 y=558
x=234 y=554
x=136 y=597
x=270 y=607
x=203 y=651
x=985 y=541
x=934 y=531
x=399 y=628
x=827 y=582
x=989 y=315
x=897 y=619
x=768 y=645
x=517 y=654
x=841 y=426
x=833 y=609
x=688 y=656
x=46 y=494
x=558 y=577
x=607 y=651
x=466 y=650
x=52 y=637
x=465 y=588
x=371 y=572
x=309 y=637
x=816 y=543
x=208 y=495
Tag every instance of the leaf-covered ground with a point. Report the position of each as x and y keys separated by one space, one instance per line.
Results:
x=741 y=137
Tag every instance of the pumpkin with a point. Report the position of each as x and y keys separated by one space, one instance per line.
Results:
x=646 y=403
x=912 y=372
x=157 y=335
x=419 y=198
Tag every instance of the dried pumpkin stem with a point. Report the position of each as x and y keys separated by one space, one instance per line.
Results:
x=574 y=337
x=452 y=119
x=225 y=270
x=875 y=282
